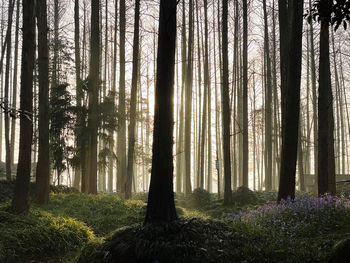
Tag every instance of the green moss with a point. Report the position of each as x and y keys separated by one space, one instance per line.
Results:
x=39 y=235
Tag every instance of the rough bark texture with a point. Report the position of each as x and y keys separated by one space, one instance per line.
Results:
x=20 y=202
x=43 y=166
x=161 y=206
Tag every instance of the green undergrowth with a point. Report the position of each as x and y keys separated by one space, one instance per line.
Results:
x=186 y=240
x=39 y=236
x=7 y=190
x=102 y=213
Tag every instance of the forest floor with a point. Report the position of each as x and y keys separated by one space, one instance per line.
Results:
x=76 y=227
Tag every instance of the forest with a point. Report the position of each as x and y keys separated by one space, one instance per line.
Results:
x=174 y=131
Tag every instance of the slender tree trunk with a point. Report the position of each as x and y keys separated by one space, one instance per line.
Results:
x=161 y=206
x=188 y=107
x=14 y=95
x=245 y=95
x=225 y=106
x=93 y=87
x=121 y=143
x=7 y=85
x=20 y=202
x=314 y=97
x=268 y=106
x=135 y=66
x=43 y=166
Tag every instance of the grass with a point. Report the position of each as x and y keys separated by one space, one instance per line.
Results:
x=82 y=228
x=39 y=236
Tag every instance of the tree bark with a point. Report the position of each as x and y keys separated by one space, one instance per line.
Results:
x=290 y=86
x=43 y=166
x=161 y=206
x=20 y=202
x=326 y=163
x=121 y=143
x=188 y=106
x=225 y=106
x=132 y=124
x=93 y=88
x=7 y=85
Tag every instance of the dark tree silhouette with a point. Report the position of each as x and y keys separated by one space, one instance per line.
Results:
x=161 y=206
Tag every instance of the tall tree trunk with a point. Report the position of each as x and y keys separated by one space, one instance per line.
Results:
x=225 y=106
x=180 y=155
x=132 y=124
x=161 y=206
x=188 y=107
x=314 y=97
x=245 y=95
x=43 y=166
x=14 y=88
x=121 y=143
x=20 y=202
x=290 y=87
x=7 y=85
x=326 y=163
x=93 y=88
x=268 y=106
x=77 y=176
x=114 y=71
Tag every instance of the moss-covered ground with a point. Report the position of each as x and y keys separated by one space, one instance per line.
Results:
x=76 y=227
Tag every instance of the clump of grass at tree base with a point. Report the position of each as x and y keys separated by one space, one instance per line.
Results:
x=102 y=213
x=39 y=236
x=185 y=240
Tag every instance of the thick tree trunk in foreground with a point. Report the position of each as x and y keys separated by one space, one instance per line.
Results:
x=161 y=206
x=326 y=163
x=291 y=93
x=43 y=166
x=20 y=202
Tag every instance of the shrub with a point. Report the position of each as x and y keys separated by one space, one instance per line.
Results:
x=243 y=196
x=7 y=190
x=199 y=198
x=38 y=236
